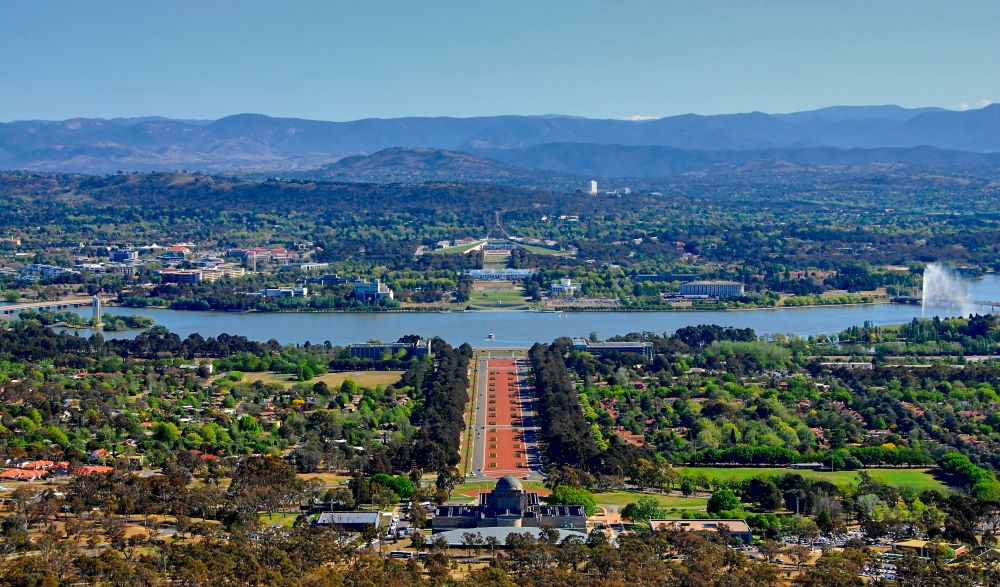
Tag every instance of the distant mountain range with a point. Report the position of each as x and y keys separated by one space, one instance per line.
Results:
x=505 y=147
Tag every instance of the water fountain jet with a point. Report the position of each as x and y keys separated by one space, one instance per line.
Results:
x=943 y=288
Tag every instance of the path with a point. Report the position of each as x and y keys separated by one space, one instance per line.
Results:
x=505 y=435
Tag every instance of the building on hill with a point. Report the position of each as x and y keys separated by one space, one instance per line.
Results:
x=713 y=289
x=377 y=350
x=509 y=506
x=738 y=529
x=372 y=291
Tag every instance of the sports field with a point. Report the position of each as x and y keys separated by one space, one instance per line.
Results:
x=919 y=479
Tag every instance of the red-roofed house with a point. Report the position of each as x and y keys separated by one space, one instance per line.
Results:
x=23 y=474
x=93 y=470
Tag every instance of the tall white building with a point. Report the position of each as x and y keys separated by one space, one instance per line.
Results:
x=593 y=187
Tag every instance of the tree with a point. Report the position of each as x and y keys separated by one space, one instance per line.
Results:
x=418 y=516
x=645 y=508
x=566 y=495
x=447 y=479
x=800 y=554
x=262 y=483
x=723 y=500
x=764 y=494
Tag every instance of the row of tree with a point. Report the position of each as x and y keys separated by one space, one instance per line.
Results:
x=444 y=393
x=566 y=431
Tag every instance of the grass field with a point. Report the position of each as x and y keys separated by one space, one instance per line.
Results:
x=919 y=479
x=285 y=519
x=455 y=250
x=504 y=299
x=623 y=498
x=362 y=378
x=546 y=251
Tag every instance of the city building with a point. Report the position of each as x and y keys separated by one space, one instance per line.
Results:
x=285 y=292
x=175 y=253
x=215 y=272
x=565 y=287
x=593 y=188
x=125 y=269
x=713 y=289
x=509 y=506
x=123 y=255
x=597 y=348
x=372 y=291
x=738 y=529
x=41 y=272
x=499 y=274
x=182 y=276
x=377 y=350
x=327 y=280
x=307 y=267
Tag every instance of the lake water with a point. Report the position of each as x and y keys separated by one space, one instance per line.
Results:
x=526 y=328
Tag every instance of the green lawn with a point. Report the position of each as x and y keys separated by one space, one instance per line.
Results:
x=279 y=519
x=455 y=250
x=545 y=251
x=623 y=498
x=504 y=299
x=919 y=479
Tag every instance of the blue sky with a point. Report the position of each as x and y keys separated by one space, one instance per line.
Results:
x=339 y=60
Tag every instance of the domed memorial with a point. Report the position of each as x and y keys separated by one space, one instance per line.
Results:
x=508 y=506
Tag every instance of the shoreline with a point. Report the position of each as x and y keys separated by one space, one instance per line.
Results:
x=567 y=310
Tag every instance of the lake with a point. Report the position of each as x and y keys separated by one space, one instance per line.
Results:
x=526 y=328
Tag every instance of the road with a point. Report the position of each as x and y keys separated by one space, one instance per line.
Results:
x=63 y=304
x=505 y=435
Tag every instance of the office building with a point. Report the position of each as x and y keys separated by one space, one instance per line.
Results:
x=593 y=188
x=377 y=350
x=565 y=287
x=372 y=291
x=123 y=255
x=713 y=289
x=599 y=348
x=285 y=292
x=41 y=272
x=181 y=276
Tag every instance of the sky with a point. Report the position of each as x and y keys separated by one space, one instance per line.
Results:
x=344 y=60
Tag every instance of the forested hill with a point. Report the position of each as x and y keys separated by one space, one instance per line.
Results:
x=418 y=165
x=178 y=190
